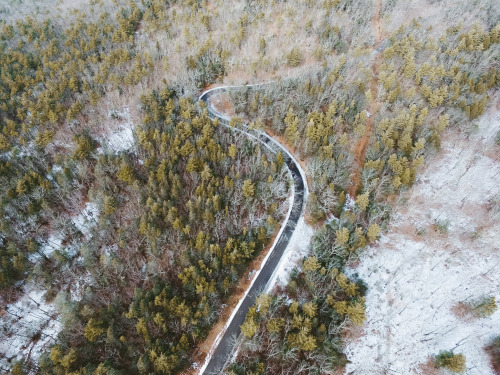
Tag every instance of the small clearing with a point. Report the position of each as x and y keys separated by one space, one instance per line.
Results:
x=120 y=137
x=27 y=328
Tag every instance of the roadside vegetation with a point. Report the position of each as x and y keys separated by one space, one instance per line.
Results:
x=181 y=210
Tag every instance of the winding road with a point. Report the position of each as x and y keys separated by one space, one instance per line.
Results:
x=225 y=345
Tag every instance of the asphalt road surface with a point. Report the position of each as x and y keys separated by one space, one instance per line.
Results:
x=225 y=347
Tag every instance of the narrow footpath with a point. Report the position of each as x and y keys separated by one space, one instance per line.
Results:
x=363 y=143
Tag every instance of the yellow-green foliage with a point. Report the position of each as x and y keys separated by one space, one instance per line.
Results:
x=373 y=232
x=362 y=201
x=311 y=264
x=483 y=307
x=249 y=327
x=342 y=236
x=93 y=330
x=453 y=362
x=248 y=189
x=294 y=57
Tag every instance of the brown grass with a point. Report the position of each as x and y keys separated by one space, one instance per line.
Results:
x=462 y=311
x=222 y=104
x=493 y=352
x=429 y=368
x=352 y=333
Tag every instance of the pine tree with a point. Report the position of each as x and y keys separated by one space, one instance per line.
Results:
x=294 y=57
x=232 y=151
x=311 y=264
x=362 y=201
x=275 y=325
x=356 y=312
x=373 y=232
x=280 y=160
x=342 y=236
x=453 y=362
x=94 y=330
x=248 y=189
x=249 y=327
x=310 y=309
x=126 y=173
x=263 y=302
x=292 y=124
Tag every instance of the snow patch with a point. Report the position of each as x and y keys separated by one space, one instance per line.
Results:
x=28 y=327
x=297 y=249
x=54 y=242
x=350 y=203
x=122 y=137
x=87 y=218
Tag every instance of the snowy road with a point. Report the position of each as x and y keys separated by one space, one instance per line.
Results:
x=215 y=362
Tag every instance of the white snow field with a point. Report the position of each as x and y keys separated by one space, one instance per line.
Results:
x=27 y=328
x=121 y=135
x=442 y=247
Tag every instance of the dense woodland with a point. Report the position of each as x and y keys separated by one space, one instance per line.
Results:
x=180 y=215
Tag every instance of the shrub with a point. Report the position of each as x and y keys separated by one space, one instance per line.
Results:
x=441 y=226
x=483 y=306
x=493 y=349
x=294 y=58
x=453 y=362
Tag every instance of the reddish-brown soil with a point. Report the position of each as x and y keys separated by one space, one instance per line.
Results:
x=222 y=104
x=429 y=368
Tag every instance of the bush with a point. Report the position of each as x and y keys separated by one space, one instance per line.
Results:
x=294 y=58
x=441 y=226
x=453 y=362
x=483 y=306
x=493 y=349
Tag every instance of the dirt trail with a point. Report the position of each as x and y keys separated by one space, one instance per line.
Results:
x=363 y=142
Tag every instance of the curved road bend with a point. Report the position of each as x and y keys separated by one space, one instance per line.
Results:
x=225 y=346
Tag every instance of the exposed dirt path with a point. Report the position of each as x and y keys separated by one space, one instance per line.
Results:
x=364 y=141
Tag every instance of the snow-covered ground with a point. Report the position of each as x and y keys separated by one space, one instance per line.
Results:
x=417 y=274
x=121 y=135
x=27 y=327
x=297 y=248
x=87 y=218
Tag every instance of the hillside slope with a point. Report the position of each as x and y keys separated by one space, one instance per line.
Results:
x=442 y=248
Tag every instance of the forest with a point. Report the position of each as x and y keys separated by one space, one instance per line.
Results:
x=176 y=210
